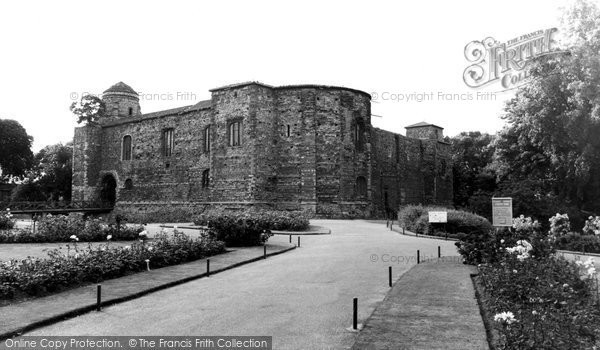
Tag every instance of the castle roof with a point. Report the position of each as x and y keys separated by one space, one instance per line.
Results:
x=283 y=87
x=422 y=124
x=169 y=112
x=121 y=87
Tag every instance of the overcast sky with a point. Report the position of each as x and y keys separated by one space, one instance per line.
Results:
x=175 y=51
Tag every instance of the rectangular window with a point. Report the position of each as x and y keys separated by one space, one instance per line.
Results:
x=234 y=133
x=207 y=139
x=126 y=148
x=205 y=178
x=168 y=142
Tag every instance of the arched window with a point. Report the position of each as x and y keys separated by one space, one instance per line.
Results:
x=205 y=178
x=359 y=138
x=167 y=142
x=289 y=130
x=126 y=148
x=361 y=186
x=130 y=111
x=207 y=139
x=128 y=184
x=234 y=132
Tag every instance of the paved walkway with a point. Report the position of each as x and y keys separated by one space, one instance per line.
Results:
x=19 y=317
x=302 y=298
x=432 y=306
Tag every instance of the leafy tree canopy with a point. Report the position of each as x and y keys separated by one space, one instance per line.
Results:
x=89 y=109
x=15 y=150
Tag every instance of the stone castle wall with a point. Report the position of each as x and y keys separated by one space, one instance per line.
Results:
x=302 y=148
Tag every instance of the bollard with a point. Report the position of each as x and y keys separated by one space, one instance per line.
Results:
x=439 y=252
x=265 y=252
x=390 y=275
x=290 y=238
x=298 y=241
x=207 y=267
x=418 y=257
x=98 y=297
x=355 y=315
x=403 y=231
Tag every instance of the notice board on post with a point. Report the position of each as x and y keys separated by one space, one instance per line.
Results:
x=502 y=212
x=438 y=217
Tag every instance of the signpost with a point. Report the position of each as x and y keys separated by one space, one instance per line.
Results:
x=502 y=212
x=438 y=217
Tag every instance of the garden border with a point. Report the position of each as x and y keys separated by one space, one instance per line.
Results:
x=92 y=306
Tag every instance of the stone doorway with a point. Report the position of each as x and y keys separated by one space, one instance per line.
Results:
x=108 y=191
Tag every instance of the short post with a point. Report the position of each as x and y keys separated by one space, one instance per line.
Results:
x=439 y=252
x=355 y=314
x=298 y=241
x=391 y=225
x=390 y=275
x=98 y=297
x=290 y=238
x=265 y=252
x=207 y=267
x=418 y=257
x=403 y=230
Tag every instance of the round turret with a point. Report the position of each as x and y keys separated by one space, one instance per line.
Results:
x=121 y=101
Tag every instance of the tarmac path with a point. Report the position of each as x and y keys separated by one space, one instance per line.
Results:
x=302 y=298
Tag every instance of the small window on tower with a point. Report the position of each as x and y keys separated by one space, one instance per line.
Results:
x=126 y=148
x=205 y=178
x=234 y=133
x=167 y=142
x=289 y=130
x=207 y=139
x=130 y=111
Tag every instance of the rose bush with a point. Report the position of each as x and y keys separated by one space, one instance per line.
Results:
x=75 y=265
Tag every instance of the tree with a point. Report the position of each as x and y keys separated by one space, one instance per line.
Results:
x=89 y=109
x=50 y=177
x=15 y=150
x=551 y=138
x=54 y=167
x=472 y=152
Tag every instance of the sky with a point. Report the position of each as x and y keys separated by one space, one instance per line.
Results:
x=173 y=52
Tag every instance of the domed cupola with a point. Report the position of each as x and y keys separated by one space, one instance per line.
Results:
x=121 y=101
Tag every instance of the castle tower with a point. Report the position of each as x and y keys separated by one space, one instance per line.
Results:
x=121 y=101
x=424 y=130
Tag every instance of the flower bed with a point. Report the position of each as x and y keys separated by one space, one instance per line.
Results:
x=531 y=298
x=78 y=265
x=59 y=228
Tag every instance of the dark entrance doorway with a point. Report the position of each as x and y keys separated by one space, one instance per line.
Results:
x=108 y=192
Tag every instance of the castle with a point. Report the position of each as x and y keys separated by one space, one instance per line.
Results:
x=300 y=147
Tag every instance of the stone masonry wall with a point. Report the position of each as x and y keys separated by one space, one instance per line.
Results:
x=302 y=148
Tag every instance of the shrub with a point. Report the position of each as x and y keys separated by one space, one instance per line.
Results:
x=559 y=225
x=578 y=243
x=250 y=227
x=59 y=228
x=408 y=216
x=491 y=246
x=541 y=304
x=160 y=215
x=458 y=222
x=6 y=220
x=61 y=270
x=592 y=226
